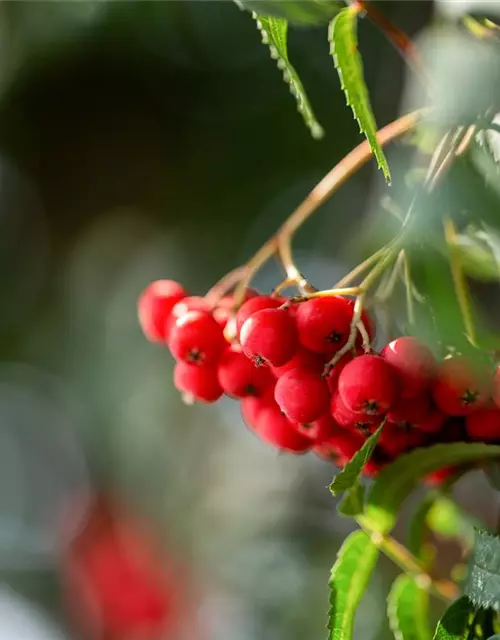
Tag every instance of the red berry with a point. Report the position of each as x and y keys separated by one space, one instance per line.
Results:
x=269 y=336
x=410 y=413
x=239 y=377
x=332 y=378
x=395 y=441
x=341 y=447
x=200 y=382
x=349 y=419
x=496 y=387
x=251 y=406
x=302 y=395
x=275 y=429
x=324 y=324
x=197 y=338
x=459 y=389
x=414 y=362
x=320 y=430
x=191 y=303
x=303 y=359
x=257 y=303
x=434 y=422
x=368 y=384
x=437 y=478
x=484 y=424
x=154 y=306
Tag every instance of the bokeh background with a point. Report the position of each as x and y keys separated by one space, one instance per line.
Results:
x=147 y=140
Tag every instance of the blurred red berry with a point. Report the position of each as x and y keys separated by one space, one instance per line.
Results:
x=201 y=382
x=239 y=377
x=414 y=363
x=275 y=429
x=484 y=424
x=155 y=305
x=459 y=388
x=269 y=336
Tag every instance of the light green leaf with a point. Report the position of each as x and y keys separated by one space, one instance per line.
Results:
x=408 y=610
x=396 y=481
x=312 y=12
x=352 y=503
x=483 y=580
x=349 y=475
x=344 y=49
x=447 y=520
x=274 y=33
x=456 y=622
x=349 y=579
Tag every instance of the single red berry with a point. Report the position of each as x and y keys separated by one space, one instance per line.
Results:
x=368 y=384
x=238 y=375
x=197 y=338
x=484 y=424
x=256 y=303
x=324 y=324
x=303 y=396
x=332 y=378
x=275 y=429
x=251 y=406
x=409 y=413
x=269 y=336
x=414 y=362
x=303 y=359
x=191 y=303
x=496 y=387
x=319 y=430
x=348 y=419
x=459 y=388
x=154 y=306
x=199 y=382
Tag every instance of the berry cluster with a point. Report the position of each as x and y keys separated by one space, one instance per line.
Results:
x=275 y=356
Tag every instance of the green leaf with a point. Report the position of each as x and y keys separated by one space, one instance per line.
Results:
x=348 y=581
x=344 y=49
x=297 y=12
x=447 y=520
x=408 y=609
x=349 y=475
x=352 y=503
x=483 y=580
x=274 y=33
x=457 y=621
x=396 y=481
x=418 y=524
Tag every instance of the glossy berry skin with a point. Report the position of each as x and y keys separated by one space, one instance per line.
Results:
x=269 y=336
x=364 y=423
x=196 y=338
x=191 y=303
x=324 y=324
x=303 y=396
x=368 y=384
x=303 y=359
x=256 y=303
x=459 y=389
x=320 y=430
x=199 y=382
x=238 y=375
x=155 y=305
x=414 y=363
x=484 y=425
x=275 y=429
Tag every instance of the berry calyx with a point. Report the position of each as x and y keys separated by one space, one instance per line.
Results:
x=199 y=382
x=302 y=395
x=410 y=413
x=324 y=324
x=459 y=389
x=196 y=338
x=349 y=419
x=414 y=363
x=238 y=375
x=155 y=305
x=368 y=384
x=269 y=336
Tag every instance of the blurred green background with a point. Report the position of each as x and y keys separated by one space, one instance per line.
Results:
x=147 y=140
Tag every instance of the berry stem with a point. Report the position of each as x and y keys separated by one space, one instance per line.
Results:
x=410 y=311
x=459 y=281
x=445 y=590
x=281 y=241
x=356 y=320
x=225 y=284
